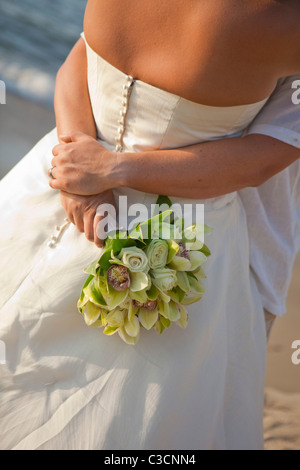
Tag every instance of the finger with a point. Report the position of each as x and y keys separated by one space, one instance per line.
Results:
x=89 y=225
x=78 y=219
x=54 y=162
x=67 y=139
x=55 y=150
x=98 y=241
x=55 y=184
x=76 y=136
x=51 y=172
x=71 y=217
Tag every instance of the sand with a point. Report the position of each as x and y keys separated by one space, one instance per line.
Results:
x=23 y=123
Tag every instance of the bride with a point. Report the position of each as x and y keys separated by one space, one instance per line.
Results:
x=154 y=82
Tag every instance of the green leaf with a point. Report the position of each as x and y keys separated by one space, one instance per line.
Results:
x=119 y=244
x=205 y=250
x=93 y=292
x=177 y=295
x=92 y=269
x=163 y=200
x=173 y=250
x=165 y=322
x=104 y=261
x=153 y=292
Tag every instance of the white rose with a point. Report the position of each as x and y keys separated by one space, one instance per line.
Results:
x=157 y=253
x=164 y=279
x=134 y=259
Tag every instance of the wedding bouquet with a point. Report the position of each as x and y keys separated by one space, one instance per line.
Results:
x=145 y=277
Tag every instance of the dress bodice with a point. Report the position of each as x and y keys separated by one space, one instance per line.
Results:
x=152 y=118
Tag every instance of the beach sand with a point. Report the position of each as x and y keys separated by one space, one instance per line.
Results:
x=23 y=123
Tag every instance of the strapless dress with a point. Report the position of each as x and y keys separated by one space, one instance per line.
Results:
x=64 y=386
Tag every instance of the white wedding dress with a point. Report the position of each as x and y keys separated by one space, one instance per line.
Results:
x=66 y=386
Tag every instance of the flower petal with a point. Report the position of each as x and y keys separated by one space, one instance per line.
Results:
x=115 y=318
x=140 y=296
x=183 y=281
x=191 y=299
x=91 y=313
x=174 y=314
x=197 y=259
x=182 y=322
x=164 y=309
x=126 y=338
x=132 y=327
x=139 y=281
x=110 y=330
x=196 y=285
x=115 y=298
x=148 y=319
x=180 y=264
x=173 y=250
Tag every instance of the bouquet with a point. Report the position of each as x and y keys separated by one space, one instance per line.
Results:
x=145 y=277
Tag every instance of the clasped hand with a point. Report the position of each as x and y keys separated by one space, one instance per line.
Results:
x=82 y=166
x=81 y=172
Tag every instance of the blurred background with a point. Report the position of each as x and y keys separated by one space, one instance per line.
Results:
x=35 y=38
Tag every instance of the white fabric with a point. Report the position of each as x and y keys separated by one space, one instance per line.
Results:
x=273 y=210
x=65 y=386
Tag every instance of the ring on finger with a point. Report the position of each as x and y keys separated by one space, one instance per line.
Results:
x=51 y=173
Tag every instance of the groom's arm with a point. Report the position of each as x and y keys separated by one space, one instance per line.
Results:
x=280 y=118
x=273 y=209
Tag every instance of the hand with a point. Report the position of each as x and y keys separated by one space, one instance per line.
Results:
x=82 y=212
x=82 y=166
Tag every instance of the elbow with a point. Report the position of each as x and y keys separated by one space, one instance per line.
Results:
x=261 y=176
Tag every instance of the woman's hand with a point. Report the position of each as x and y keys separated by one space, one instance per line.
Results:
x=81 y=165
x=82 y=212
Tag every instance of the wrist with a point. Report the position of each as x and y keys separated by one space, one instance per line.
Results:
x=122 y=169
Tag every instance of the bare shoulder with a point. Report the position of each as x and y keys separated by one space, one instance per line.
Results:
x=283 y=18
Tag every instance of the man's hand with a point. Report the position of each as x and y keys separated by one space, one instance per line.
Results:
x=81 y=165
x=82 y=212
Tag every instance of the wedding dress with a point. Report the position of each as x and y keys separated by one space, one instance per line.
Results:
x=66 y=386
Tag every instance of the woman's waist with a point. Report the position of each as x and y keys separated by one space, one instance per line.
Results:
x=133 y=203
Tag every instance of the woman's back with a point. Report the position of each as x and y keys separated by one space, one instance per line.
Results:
x=219 y=53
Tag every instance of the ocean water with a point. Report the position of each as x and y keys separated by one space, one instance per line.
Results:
x=35 y=38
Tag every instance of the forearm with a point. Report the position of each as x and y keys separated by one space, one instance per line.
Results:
x=206 y=170
x=72 y=103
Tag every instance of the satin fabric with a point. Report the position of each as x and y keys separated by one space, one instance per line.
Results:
x=66 y=386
